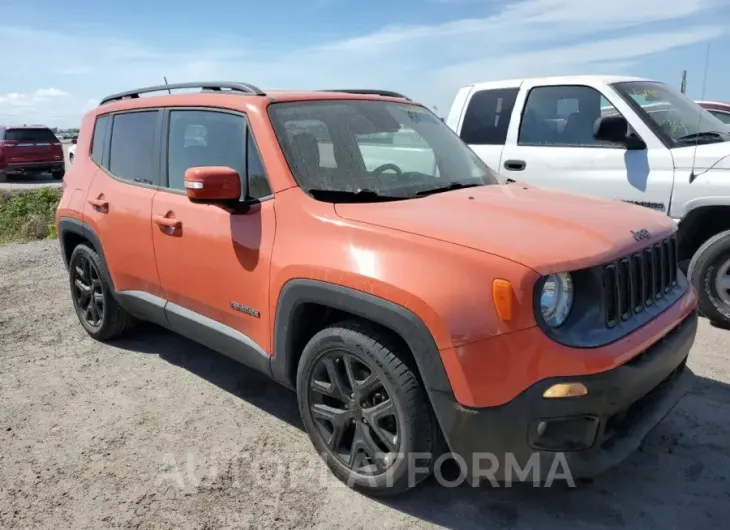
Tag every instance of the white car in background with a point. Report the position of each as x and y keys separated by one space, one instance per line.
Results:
x=72 y=150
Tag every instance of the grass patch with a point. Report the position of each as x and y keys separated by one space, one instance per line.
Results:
x=28 y=215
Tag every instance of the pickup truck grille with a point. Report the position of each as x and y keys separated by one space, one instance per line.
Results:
x=634 y=283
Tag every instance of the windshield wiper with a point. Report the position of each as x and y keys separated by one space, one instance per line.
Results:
x=701 y=135
x=364 y=195
x=449 y=187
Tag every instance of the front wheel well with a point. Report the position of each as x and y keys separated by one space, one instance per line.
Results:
x=311 y=318
x=700 y=225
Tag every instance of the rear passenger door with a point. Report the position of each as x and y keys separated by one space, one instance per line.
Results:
x=214 y=268
x=485 y=123
x=125 y=149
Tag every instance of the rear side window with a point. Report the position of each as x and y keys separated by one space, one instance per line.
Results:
x=487 y=116
x=99 y=141
x=132 y=150
x=27 y=135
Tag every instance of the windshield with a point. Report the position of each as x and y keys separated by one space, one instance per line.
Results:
x=679 y=120
x=373 y=149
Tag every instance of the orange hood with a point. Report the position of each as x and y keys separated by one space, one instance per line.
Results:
x=548 y=231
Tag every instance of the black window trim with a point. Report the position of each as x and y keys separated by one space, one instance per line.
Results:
x=163 y=152
x=592 y=146
x=155 y=176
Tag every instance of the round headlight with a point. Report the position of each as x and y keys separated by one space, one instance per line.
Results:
x=556 y=299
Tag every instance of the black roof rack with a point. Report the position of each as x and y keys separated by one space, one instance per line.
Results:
x=371 y=91
x=211 y=86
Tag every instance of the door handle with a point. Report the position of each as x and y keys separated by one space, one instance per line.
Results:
x=99 y=203
x=515 y=165
x=167 y=222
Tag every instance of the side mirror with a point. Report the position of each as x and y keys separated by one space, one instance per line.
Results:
x=615 y=130
x=212 y=184
x=73 y=141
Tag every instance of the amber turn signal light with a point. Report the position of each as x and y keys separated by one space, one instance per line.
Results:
x=503 y=296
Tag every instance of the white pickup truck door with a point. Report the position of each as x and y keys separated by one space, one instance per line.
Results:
x=551 y=145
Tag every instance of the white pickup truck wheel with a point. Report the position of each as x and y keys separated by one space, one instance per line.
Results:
x=709 y=272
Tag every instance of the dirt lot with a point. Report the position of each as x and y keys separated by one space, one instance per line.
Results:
x=156 y=432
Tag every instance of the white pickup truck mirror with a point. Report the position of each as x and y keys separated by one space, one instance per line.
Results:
x=615 y=129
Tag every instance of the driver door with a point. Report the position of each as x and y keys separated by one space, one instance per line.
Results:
x=552 y=146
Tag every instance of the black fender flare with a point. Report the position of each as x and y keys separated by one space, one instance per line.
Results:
x=69 y=225
x=397 y=318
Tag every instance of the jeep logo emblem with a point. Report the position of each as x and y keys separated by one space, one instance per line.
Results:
x=641 y=234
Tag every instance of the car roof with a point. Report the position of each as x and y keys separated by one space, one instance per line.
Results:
x=6 y=127
x=230 y=95
x=556 y=80
x=715 y=105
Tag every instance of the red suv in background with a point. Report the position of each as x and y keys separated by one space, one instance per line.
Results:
x=26 y=150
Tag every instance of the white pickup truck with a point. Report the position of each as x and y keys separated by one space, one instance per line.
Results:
x=624 y=138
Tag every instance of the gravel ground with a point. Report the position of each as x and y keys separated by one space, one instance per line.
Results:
x=157 y=432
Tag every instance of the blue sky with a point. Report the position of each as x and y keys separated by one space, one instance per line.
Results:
x=59 y=58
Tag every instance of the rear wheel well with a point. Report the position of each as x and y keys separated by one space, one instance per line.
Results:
x=71 y=240
x=699 y=226
x=310 y=318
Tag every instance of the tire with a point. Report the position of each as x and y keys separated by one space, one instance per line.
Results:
x=709 y=263
x=3 y=176
x=365 y=348
x=57 y=174
x=86 y=267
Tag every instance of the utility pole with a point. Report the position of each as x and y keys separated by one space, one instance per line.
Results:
x=683 y=86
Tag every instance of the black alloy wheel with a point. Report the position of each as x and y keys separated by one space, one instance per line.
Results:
x=354 y=413
x=87 y=292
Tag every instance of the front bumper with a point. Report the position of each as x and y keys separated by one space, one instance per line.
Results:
x=589 y=434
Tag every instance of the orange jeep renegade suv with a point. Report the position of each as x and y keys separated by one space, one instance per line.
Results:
x=347 y=244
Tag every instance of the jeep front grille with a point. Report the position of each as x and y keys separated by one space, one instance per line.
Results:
x=636 y=282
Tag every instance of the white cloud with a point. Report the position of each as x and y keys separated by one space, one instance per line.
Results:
x=40 y=106
x=47 y=93
x=428 y=62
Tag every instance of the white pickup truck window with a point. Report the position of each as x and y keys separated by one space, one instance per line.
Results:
x=563 y=116
x=679 y=120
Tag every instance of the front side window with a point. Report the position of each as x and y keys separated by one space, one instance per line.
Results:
x=258 y=184
x=199 y=138
x=379 y=148
x=670 y=114
x=132 y=150
x=563 y=116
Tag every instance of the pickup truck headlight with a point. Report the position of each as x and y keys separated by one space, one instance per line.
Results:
x=556 y=299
